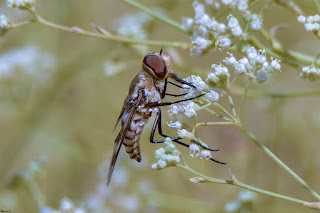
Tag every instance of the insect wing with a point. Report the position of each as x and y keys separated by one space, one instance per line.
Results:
x=121 y=135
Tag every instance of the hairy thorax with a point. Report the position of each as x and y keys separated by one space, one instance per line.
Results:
x=151 y=90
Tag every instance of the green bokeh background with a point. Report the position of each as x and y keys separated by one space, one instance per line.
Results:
x=69 y=118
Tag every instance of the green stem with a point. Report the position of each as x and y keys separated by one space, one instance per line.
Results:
x=211 y=124
x=233 y=109
x=216 y=114
x=317 y=3
x=122 y=39
x=157 y=16
x=224 y=110
x=237 y=183
x=278 y=161
x=243 y=97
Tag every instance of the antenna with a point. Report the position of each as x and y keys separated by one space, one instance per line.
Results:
x=161 y=50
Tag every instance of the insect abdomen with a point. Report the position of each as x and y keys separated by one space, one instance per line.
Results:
x=132 y=136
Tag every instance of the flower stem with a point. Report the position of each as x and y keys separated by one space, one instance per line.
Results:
x=243 y=97
x=317 y=3
x=216 y=114
x=237 y=183
x=111 y=37
x=278 y=161
x=157 y=16
x=224 y=110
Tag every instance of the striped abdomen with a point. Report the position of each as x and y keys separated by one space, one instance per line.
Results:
x=132 y=136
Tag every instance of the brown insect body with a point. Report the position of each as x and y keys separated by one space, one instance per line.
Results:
x=145 y=96
x=145 y=92
x=151 y=89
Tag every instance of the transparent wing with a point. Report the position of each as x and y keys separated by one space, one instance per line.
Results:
x=120 y=137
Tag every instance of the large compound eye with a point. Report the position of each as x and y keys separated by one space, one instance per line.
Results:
x=155 y=63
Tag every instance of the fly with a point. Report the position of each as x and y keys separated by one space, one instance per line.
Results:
x=145 y=96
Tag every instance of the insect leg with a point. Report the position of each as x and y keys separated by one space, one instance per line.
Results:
x=175 y=102
x=165 y=89
x=158 y=123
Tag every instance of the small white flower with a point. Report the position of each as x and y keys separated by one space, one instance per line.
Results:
x=226 y=2
x=174 y=109
x=234 y=26
x=246 y=196
x=265 y=65
x=212 y=96
x=221 y=28
x=199 y=44
x=275 y=64
x=159 y=153
x=11 y=3
x=252 y=53
x=261 y=57
x=175 y=124
x=220 y=70
x=229 y=60
x=243 y=5
x=79 y=210
x=301 y=19
x=5 y=25
x=232 y=207
x=187 y=22
x=256 y=24
x=194 y=150
x=196 y=81
x=198 y=10
x=205 y=154
x=310 y=72
x=182 y=133
x=212 y=77
x=161 y=164
x=189 y=110
x=223 y=43
x=240 y=68
x=66 y=204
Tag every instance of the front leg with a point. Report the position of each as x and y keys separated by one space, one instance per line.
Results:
x=158 y=123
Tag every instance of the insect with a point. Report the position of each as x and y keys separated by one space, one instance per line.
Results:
x=145 y=96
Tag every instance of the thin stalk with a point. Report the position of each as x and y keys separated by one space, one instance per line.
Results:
x=231 y=102
x=157 y=16
x=278 y=161
x=243 y=97
x=216 y=114
x=224 y=110
x=317 y=3
x=237 y=183
x=111 y=37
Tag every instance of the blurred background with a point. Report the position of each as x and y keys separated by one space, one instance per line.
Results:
x=61 y=94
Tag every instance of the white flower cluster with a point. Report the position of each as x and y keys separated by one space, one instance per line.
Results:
x=196 y=81
x=241 y=5
x=255 y=65
x=5 y=25
x=66 y=206
x=21 y=4
x=310 y=72
x=133 y=25
x=311 y=23
x=168 y=156
x=245 y=198
x=195 y=151
x=208 y=32
x=27 y=59
x=186 y=107
x=112 y=67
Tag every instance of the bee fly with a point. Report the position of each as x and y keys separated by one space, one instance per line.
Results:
x=145 y=96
